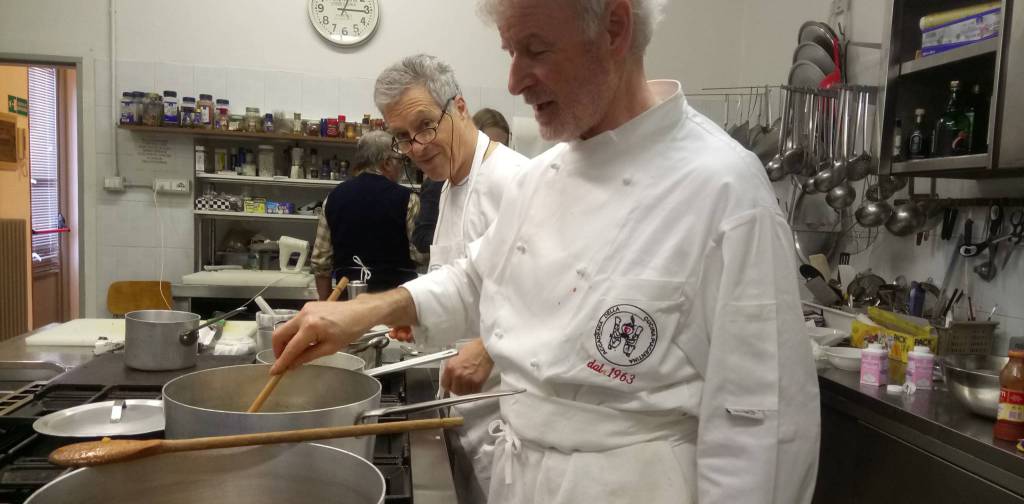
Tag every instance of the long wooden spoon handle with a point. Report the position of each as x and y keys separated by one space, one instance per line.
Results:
x=336 y=293
x=298 y=436
x=265 y=393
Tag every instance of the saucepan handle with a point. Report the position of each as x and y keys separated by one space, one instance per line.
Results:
x=190 y=336
x=439 y=403
x=411 y=363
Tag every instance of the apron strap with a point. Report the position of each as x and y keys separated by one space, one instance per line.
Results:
x=512 y=445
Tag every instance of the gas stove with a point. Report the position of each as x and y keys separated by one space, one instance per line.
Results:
x=23 y=464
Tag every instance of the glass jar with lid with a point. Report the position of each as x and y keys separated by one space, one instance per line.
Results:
x=152 y=109
x=206 y=111
x=127 y=108
x=170 y=108
x=187 y=112
x=223 y=114
x=138 y=98
x=253 y=120
x=266 y=161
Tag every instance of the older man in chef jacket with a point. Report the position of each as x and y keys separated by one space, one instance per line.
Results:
x=638 y=282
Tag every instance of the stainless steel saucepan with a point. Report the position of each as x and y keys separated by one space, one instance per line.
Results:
x=271 y=474
x=213 y=402
x=164 y=340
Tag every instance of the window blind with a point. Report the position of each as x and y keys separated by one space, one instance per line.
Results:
x=43 y=166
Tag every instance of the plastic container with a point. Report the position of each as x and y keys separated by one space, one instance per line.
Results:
x=203 y=164
x=220 y=160
x=205 y=111
x=152 y=109
x=266 y=161
x=1010 y=416
x=170 y=108
x=253 y=120
x=268 y=123
x=920 y=363
x=874 y=365
x=138 y=97
x=187 y=113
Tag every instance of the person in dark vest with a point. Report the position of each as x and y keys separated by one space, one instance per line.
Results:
x=370 y=217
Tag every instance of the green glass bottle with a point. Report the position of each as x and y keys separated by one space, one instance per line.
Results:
x=953 y=130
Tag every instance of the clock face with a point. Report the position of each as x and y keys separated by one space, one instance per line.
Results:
x=345 y=22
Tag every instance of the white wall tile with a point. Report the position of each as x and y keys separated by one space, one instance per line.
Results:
x=245 y=88
x=497 y=99
x=213 y=80
x=283 y=91
x=128 y=224
x=104 y=130
x=134 y=76
x=101 y=81
x=319 y=97
x=472 y=95
x=355 y=98
x=175 y=77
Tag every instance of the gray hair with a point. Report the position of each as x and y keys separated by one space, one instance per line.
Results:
x=646 y=15
x=420 y=69
x=373 y=149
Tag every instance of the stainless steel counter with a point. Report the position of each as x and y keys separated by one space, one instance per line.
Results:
x=929 y=420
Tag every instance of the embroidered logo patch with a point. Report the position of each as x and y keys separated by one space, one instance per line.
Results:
x=625 y=335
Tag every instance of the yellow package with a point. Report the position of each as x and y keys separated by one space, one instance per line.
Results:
x=895 y=333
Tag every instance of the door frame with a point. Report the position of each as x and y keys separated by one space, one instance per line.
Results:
x=77 y=62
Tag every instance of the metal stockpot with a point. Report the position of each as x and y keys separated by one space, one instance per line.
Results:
x=339 y=360
x=213 y=402
x=160 y=340
x=272 y=474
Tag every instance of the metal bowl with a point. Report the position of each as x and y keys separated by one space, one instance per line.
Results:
x=974 y=381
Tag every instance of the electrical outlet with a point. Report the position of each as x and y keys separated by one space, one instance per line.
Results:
x=114 y=184
x=171 y=186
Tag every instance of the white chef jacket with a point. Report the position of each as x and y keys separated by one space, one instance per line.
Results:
x=641 y=286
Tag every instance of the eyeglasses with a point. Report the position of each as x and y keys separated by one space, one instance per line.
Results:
x=422 y=137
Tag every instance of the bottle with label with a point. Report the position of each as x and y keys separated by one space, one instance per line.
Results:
x=313 y=170
x=918 y=144
x=977 y=114
x=1010 y=418
x=897 y=142
x=920 y=363
x=953 y=129
x=874 y=364
x=205 y=111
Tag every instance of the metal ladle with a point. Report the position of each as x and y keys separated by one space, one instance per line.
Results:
x=873 y=213
x=793 y=158
x=841 y=196
x=905 y=220
x=859 y=166
x=775 y=169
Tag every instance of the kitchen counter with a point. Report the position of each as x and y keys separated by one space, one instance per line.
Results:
x=858 y=421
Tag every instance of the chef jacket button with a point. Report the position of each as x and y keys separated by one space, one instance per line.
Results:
x=554 y=166
x=498 y=334
x=521 y=248
x=534 y=363
x=627 y=180
x=581 y=272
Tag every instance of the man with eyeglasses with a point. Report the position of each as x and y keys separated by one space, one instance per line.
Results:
x=427 y=114
x=370 y=216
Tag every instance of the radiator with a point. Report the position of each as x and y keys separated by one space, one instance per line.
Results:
x=13 y=278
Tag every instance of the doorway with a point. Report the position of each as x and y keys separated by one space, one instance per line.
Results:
x=41 y=190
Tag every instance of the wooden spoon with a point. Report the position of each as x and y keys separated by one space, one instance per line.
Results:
x=265 y=393
x=336 y=293
x=107 y=451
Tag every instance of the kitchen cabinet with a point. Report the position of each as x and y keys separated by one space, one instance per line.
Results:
x=996 y=64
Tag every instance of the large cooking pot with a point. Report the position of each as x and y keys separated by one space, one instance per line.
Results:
x=339 y=360
x=164 y=340
x=271 y=474
x=213 y=402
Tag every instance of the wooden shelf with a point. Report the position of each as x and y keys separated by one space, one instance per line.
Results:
x=941 y=164
x=239 y=135
x=951 y=56
x=276 y=181
x=213 y=214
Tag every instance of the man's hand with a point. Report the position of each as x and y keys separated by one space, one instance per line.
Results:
x=402 y=333
x=323 y=328
x=466 y=373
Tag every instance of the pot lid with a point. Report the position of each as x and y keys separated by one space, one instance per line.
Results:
x=109 y=418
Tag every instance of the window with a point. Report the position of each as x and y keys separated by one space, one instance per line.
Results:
x=43 y=165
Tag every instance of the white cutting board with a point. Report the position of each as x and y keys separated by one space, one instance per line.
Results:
x=249 y=278
x=85 y=332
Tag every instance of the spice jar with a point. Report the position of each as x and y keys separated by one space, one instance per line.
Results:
x=235 y=122
x=152 y=109
x=223 y=115
x=266 y=161
x=297 y=124
x=205 y=110
x=332 y=128
x=351 y=131
x=170 y=108
x=1010 y=416
x=252 y=119
x=127 y=108
x=137 y=102
x=187 y=114
x=268 y=123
